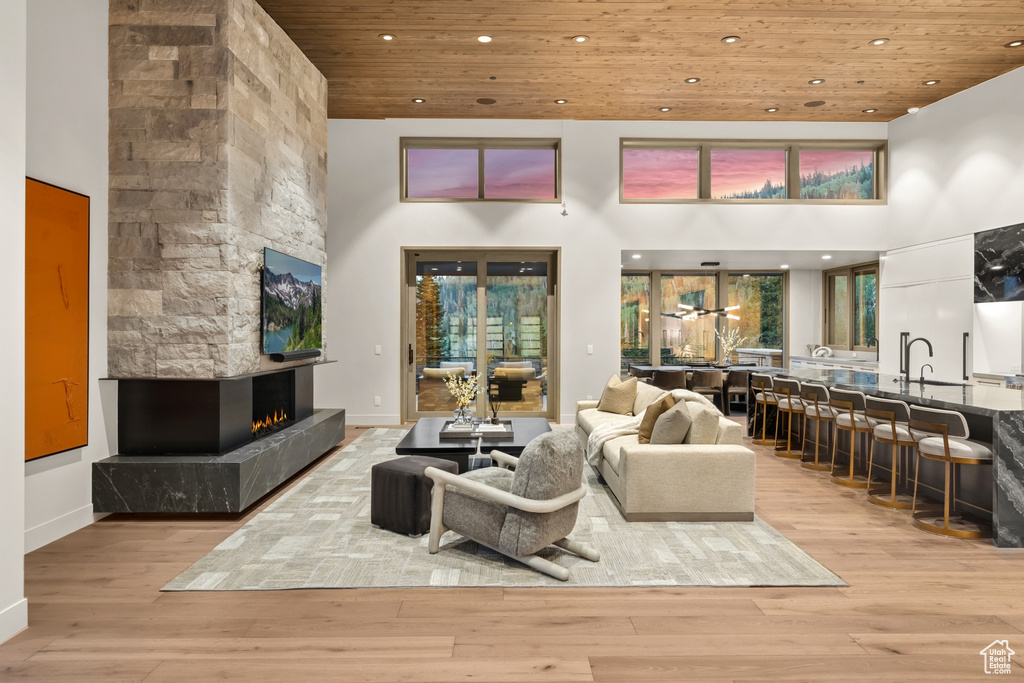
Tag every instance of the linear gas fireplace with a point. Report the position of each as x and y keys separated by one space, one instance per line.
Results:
x=209 y=416
x=211 y=445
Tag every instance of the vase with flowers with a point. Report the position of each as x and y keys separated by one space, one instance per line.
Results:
x=730 y=341
x=464 y=391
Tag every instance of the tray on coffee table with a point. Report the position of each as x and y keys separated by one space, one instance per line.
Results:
x=483 y=430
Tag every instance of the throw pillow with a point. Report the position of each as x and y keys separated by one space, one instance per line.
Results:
x=673 y=425
x=651 y=415
x=618 y=396
x=704 y=428
x=646 y=394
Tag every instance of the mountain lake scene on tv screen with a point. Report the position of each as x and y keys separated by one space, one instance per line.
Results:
x=292 y=304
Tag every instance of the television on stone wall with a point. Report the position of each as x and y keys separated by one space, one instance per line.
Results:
x=292 y=306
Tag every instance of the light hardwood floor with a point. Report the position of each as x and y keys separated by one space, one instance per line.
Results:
x=918 y=608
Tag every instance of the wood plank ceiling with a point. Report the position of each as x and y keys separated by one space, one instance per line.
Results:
x=639 y=53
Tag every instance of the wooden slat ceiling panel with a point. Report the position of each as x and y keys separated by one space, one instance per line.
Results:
x=640 y=52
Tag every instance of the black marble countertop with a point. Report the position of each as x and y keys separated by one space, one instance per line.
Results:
x=984 y=400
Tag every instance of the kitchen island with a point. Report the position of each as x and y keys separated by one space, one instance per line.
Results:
x=994 y=415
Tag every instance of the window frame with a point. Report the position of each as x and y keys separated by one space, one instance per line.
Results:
x=828 y=303
x=704 y=146
x=654 y=329
x=481 y=145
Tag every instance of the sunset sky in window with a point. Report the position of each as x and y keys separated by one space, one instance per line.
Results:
x=830 y=162
x=453 y=173
x=659 y=173
x=745 y=170
x=519 y=173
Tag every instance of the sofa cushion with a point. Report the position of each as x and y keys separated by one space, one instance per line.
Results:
x=646 y=394
x=467 y=366
x=687 y=395
x=441 y=373
x=618 y=396
x=516 y=364
x=612 y=450
x=592 y=418
x=673 y=425
x=651 y=415
x=515 y=373
x=704 y=425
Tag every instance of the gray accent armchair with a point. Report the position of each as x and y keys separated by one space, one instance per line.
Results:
x=517 y=513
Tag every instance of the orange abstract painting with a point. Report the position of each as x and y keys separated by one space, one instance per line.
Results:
x=56 y=319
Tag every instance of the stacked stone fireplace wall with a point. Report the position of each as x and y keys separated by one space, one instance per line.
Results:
x=218 y=148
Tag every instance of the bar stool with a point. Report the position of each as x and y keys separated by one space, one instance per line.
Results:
x=761 y=385
x=849 y=407
x=890 y=426
x=816 y=407
x=788 y=404
x=942 y=435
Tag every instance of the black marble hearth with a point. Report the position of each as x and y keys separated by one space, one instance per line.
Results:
x=229 y=482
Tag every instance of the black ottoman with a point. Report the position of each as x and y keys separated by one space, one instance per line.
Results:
x=400 y=493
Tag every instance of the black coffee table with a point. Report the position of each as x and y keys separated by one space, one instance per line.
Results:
x=424 y=439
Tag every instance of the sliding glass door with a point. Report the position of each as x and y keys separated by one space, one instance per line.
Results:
x=488 y=314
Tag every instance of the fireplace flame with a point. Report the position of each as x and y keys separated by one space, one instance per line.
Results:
x=269 y=422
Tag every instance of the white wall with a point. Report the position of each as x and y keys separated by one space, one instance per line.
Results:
x=13 y=606
x=67 y=146
x=956 y=168
x=369 y=226
x=804 y=310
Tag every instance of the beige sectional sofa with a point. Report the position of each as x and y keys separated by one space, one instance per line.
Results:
x=710 y=481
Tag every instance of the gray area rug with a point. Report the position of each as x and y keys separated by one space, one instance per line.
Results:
x=318 y=535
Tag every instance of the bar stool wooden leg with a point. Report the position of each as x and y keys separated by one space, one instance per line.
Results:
x=816 y=464
x=851 y=480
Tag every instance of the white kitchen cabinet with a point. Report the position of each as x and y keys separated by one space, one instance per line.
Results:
x=998 y=335
x=938 y=311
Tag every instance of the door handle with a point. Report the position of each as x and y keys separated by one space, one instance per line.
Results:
x=966 y=336
x=411 y=358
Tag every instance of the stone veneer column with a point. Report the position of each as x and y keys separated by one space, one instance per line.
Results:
x=218 y=148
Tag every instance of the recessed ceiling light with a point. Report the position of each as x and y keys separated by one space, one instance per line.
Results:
x=418 y=100
x=745 y=275
x=692 y=80
x=879 y=41
x=560 y=101
x=826 y=257
x=1014 y=43
x=816 y=81
x=869 y=111
x=784 y=265
x=772 y=110
x=387 y=36
x=664 y=108
x=484 y=39
x=730 y=39
x=913 y=110
x=580 y=39
x=636 y=255
x=931 y=82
